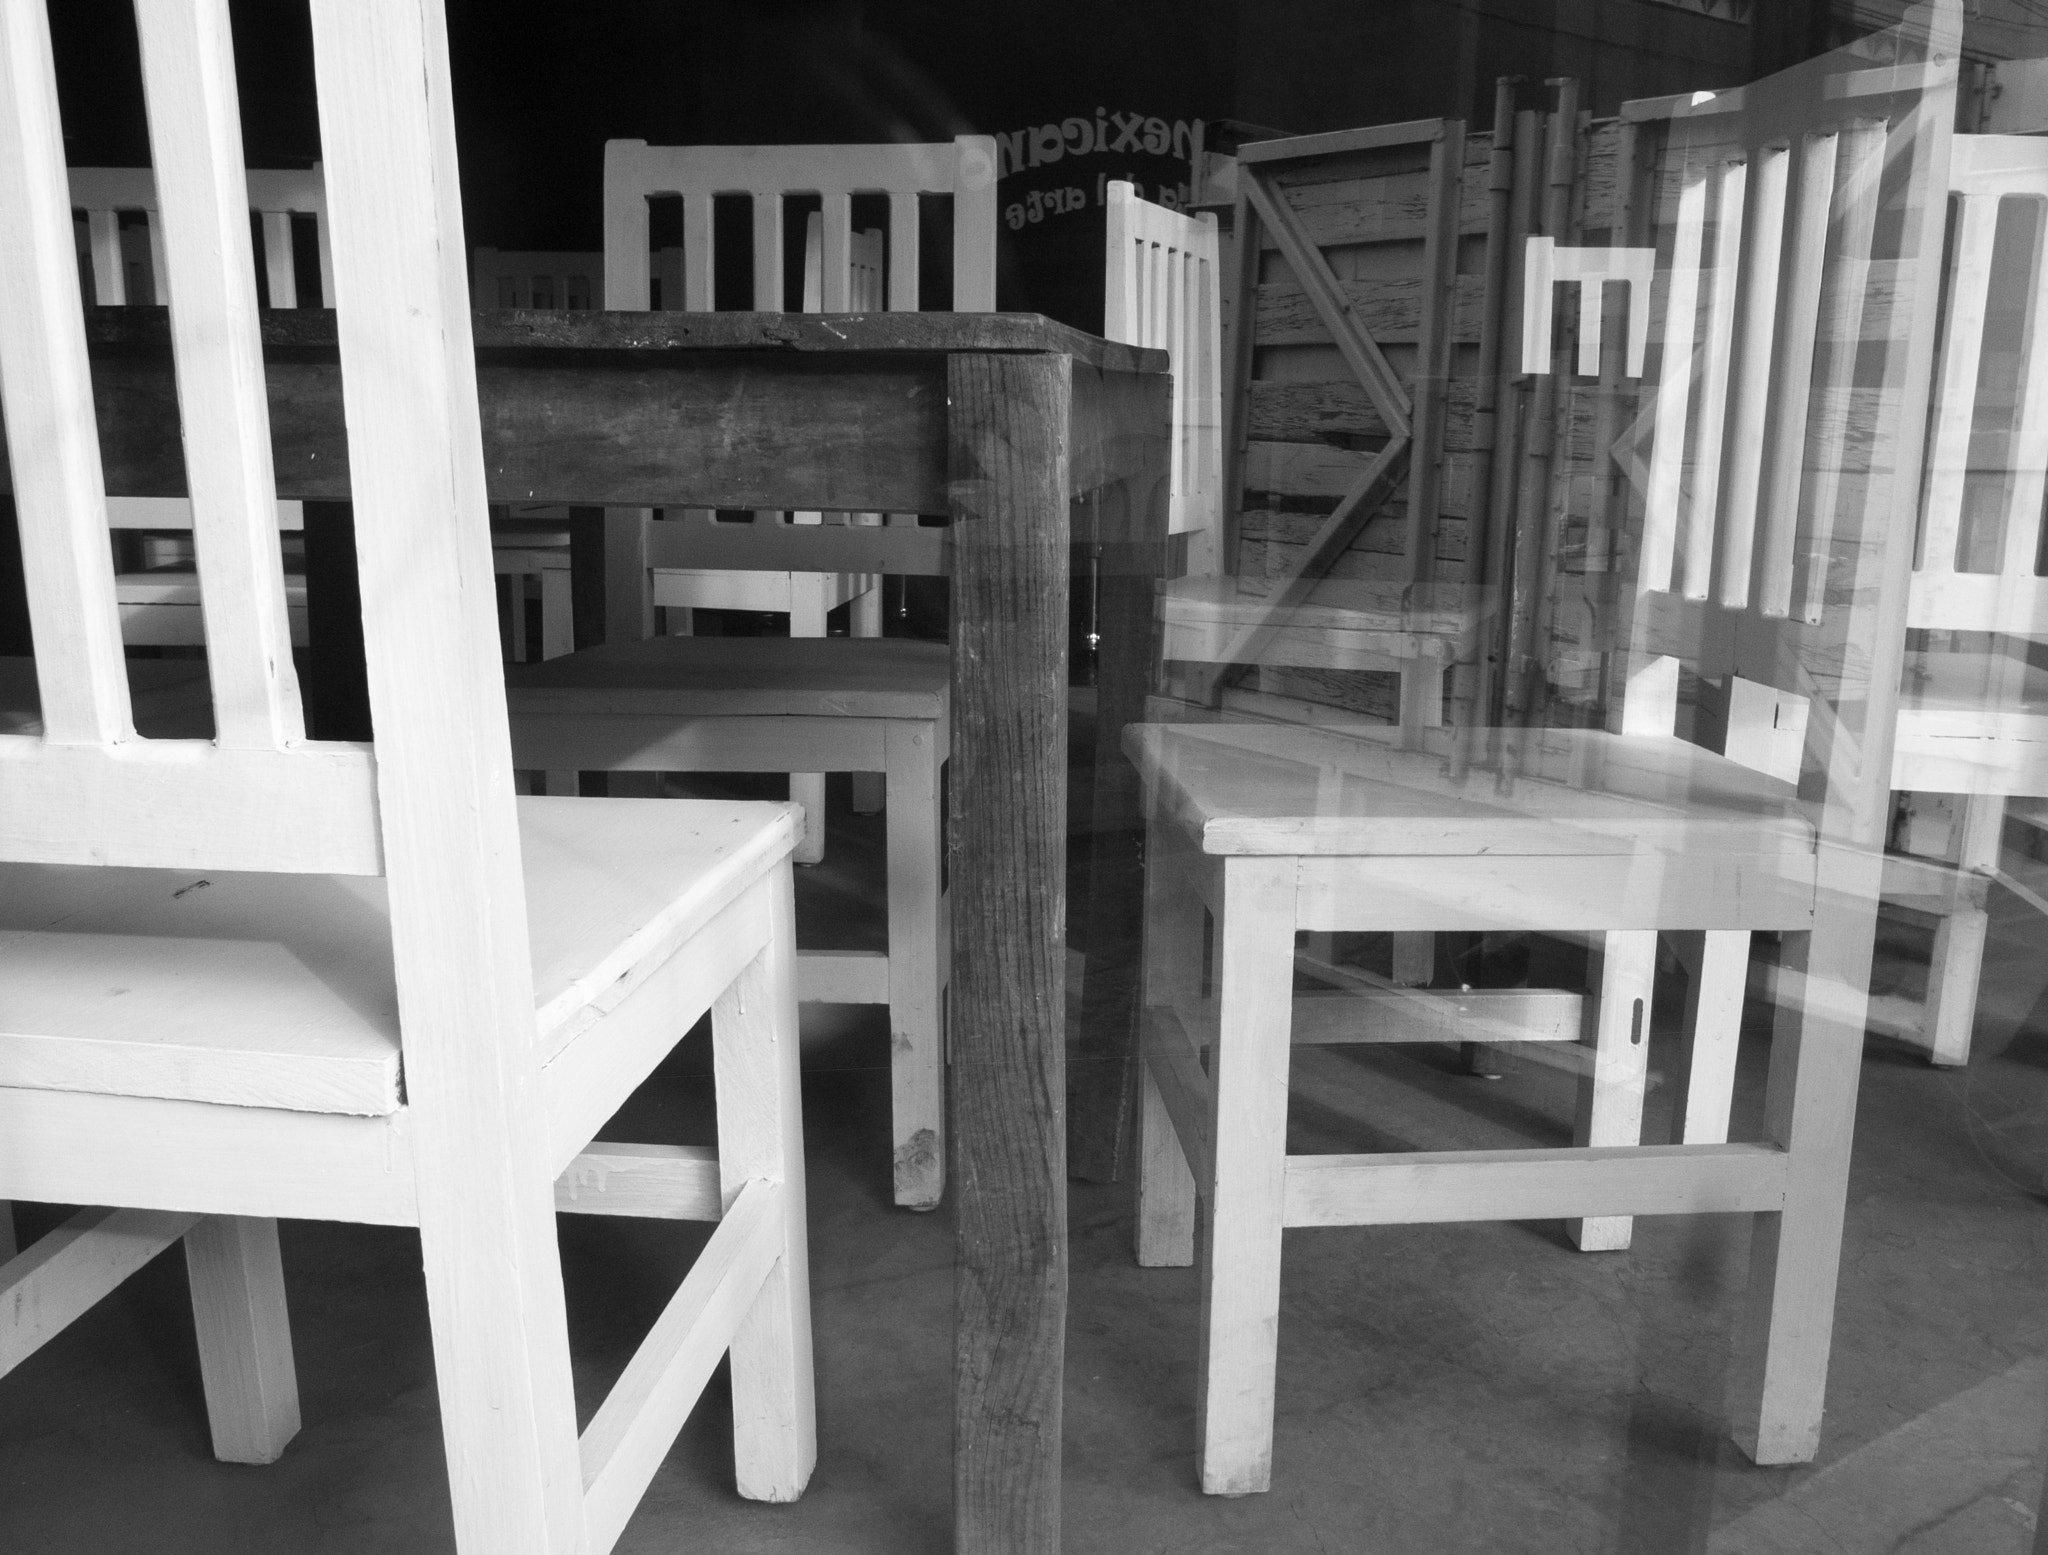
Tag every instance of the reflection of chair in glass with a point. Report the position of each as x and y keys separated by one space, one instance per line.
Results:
x=1267 y=832
x=767 y=176
x=293 y=1035
x=1973 y=725
x=1160 y=290
x=160 y=604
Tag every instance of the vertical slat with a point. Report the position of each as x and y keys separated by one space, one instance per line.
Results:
x=195 y=126
x=2029 y=453
x=768 y=251
x=838 y=251
x=974 y=224
x=814 y=263
x=159 y=269
x=326 y=250
x=1955 y=405
x=1433 y=348
x=1792 y=390
x=1120 y=293
x=462 y=969
x=52 y=437
x=1702 y=509
x=627 y=278
x=277 y=259
x=109 y=273
x=1747 y=423
x=902 y=256
x=1674 y=386
x=1859 y=170
x=697 y=253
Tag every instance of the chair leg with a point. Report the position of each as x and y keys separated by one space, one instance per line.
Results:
x=917 y=1054
x=516 y=597
x=1958 y=963
x=869 y=788
x=807 y=619
x=760 y=1135
x=1175 y=925
x=1611 y=1093
x=1248 y=1125
x=1167 y=1196
x=1787 y=1321
x=501 y=1341
x=557 y=621
x=245 y=1337
x=1715 y=991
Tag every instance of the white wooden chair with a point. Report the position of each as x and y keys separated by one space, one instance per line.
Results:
x=636 y=171
x=750 y=704
x=357 y=983
x=1973 y=724
x=1161 y=289
x=1787 y=587
x=160 y=607
x=535 y=278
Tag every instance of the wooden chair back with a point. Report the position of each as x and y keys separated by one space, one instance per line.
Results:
x=528 y=278
x=964 y=169
x=127 y=270
x=1772 y=461
x=125 y=265
x=1979 y=563
x=1161 y=289
x=433 y=803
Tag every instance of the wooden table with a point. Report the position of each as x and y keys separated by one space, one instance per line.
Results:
x=999 y=422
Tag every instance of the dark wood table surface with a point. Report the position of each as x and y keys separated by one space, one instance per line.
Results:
x=1027 y=436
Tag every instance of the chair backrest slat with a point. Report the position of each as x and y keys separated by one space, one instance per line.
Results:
x=52 y=434
x=964 y=169
x=1748 y=426
x=84 y=789
x=2009 y=455
x=274 y=195
x=1792 y=389
x=1161 y=290
x=1820 y=356
x=196 y=137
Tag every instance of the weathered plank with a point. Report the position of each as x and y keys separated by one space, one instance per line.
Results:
x=1391 y=308
x=1006 y=471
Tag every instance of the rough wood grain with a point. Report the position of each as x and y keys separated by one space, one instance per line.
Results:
x=1008 y=828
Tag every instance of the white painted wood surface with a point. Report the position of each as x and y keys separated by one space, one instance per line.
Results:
x=1635 y=832
x=1161 y=290
x=881 y=705
x=257 y=968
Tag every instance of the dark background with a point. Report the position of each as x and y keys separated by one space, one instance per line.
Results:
x=539 y=87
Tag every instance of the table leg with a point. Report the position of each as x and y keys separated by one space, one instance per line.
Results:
x=1007 y=473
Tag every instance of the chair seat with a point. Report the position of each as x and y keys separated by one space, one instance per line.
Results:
x=1972 y=723
x=268 y=990
x=817 y=677
x=1288 y=790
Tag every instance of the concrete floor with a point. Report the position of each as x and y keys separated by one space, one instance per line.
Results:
x=1470 y=1388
